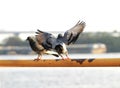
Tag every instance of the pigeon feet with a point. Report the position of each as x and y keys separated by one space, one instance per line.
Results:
x=65 y=58
x=68 y=58
x=37 y=59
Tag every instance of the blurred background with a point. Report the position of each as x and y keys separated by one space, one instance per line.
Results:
x=101 y=38
x=19 y=19
x=99 y=43
x=89 y=45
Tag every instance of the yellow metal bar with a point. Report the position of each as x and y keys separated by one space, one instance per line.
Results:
x=98 y=62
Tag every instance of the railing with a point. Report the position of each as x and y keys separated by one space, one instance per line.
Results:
x=97 y=62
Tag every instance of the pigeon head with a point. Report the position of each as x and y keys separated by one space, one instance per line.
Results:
x=30 y=38
x=61 y=48
x=60 y=36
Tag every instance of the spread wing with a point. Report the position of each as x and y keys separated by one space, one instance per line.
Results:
x=71 y=35
x=45 y=39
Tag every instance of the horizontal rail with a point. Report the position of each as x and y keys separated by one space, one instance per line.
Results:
x=98 y=62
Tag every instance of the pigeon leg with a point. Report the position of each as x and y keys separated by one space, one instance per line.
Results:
x=62 y=57
x=38 y=58
x=67 y=56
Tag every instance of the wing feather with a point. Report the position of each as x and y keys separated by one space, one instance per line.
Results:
x=71 y=35
x=45 y=39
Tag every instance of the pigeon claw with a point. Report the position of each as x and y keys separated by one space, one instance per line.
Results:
x=66 y=58
x=36 y=59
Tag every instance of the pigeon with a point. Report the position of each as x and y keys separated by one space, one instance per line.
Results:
x=37 y=46
x=47 y=43
x=69 y=37
x=52 y=43
x=60 y=46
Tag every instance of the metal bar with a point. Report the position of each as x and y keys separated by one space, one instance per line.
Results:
x=98 y=62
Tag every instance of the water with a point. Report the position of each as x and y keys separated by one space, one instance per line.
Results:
x=60 y=77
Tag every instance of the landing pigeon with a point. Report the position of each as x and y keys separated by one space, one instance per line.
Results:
x=69 y=37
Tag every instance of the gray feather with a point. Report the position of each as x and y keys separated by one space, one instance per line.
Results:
x=39 y=48
x=71 y=35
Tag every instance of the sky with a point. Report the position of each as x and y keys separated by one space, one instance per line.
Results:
x=59 y=15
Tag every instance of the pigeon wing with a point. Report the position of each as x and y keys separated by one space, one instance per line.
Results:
x=71 y=35
x=45 y=39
